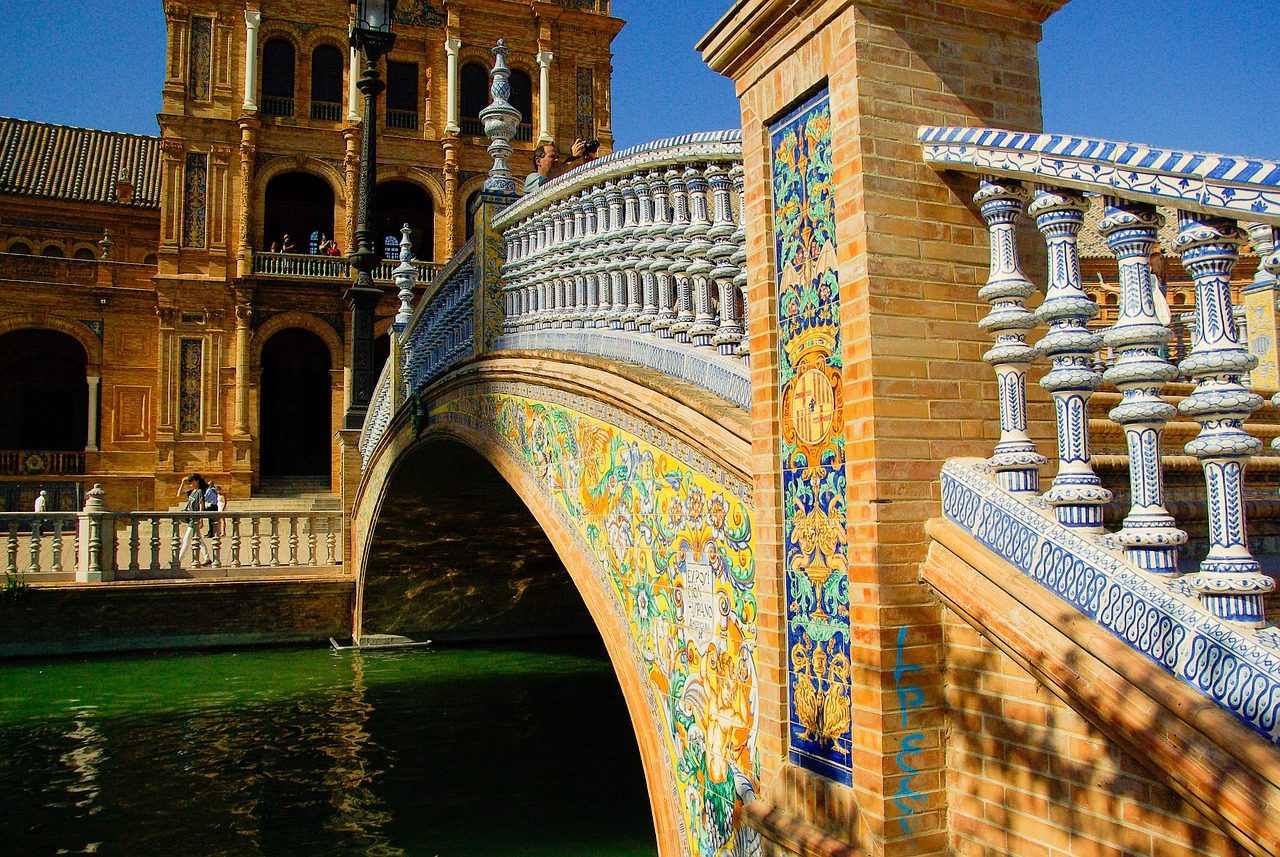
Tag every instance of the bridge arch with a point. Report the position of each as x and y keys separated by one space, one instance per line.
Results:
x=631 y=433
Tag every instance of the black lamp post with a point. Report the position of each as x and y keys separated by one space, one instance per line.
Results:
x=371 y=35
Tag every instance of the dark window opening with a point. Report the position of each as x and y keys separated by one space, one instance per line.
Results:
x=522 y=95
x=473 y=85
x=277 y=78
x=400 y=203
x=44 y=397
x=402 y=95
x=19 y=247
x=296 y=405
x=326 y=83
x=466 y=212
x=53 y=250
x=84 y=253
x=297 y=204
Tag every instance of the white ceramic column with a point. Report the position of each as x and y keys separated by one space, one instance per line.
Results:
x=353 y=74
x=544 y=96
x=251 y=22
x=94 y=382
x=451 y=48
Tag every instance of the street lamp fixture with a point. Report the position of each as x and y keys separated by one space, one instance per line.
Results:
x=370 y=35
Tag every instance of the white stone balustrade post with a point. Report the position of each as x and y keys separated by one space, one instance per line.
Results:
x=544 y=58
x=630 y=260
x=451 y=49
x=1077 y=495
x=644 y=252
x=704 y=326
x=677 y=249
x=252 y=20
x=1149 y=537
x=1016 y=462
x=611 y=257
x=660 y=245
x=96 y=539
x=591 y=299
x=95 y=386
x=729 y=325
x=1229 y=583
x=739 y=260
x=353 y=92
x=595 y=256
x=577 y=317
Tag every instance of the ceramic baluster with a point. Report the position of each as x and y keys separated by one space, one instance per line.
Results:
x=629 y=258
x=729 y=325
x=1016 y=462
x=739 y=260
x=660 y=244
x=1077 y=495
x=643 y=249
x=1229 y=583
x=678 y=249
x=704 y=326
x=1149 y=536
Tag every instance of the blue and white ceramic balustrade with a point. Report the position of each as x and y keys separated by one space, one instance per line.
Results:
x=1205 y=627
x=1209 y=192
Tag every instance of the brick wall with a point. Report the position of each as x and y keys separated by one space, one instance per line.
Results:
x=177 y=614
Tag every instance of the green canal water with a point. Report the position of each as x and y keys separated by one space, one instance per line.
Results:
x=521 y=751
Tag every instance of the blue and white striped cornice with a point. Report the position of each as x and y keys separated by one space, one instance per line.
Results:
x=1240 y=188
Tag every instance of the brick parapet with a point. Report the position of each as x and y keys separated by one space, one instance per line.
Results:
x=1065 y=741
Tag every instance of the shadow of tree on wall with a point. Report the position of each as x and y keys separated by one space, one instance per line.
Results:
x=1025 y=766
x=456 y=555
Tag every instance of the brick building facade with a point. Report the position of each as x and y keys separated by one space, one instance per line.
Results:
x=181 y=342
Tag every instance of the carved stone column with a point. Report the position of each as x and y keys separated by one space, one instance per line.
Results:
x=353 y=93
x=252 y=19
x=248 y=154
x=544 y=96
x=451 y=48
x=94 y=385
x=244 y=314
x=351 y=171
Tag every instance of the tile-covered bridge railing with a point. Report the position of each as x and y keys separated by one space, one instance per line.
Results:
x=637 y=256
x=1206 y=626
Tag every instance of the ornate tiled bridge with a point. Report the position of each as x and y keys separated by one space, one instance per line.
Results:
x=741 y=382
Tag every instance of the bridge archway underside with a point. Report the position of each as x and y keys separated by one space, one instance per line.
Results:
x=641 y=483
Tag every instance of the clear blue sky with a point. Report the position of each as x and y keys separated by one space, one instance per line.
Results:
x=1178 y=73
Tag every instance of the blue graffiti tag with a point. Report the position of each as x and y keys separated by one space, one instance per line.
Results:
x=909 y=696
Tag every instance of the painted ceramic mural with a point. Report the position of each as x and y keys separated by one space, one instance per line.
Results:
x=671 y=534
x=813 y=477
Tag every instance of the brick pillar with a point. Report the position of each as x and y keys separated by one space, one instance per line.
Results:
x=870 y=327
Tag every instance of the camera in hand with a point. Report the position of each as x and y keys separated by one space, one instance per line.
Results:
x=589 y=147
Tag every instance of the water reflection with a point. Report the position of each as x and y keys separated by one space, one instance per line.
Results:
x=277 y=753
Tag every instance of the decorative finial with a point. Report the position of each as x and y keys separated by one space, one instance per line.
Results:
x=106 y=244
x=405 y=277
x=500 y=123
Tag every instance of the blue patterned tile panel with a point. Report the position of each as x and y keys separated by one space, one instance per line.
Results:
x=1238 y=187
x=1237 y=668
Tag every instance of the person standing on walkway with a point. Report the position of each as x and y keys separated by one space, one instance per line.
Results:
x=40 y=507
x=194 y=487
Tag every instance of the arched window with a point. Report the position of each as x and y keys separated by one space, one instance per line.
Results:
x=150 y=259
x=326 y=83
x=313 y=244
x=401 y=202
x=84 y=253
x=473 y=94
x=53 y=250
x=277 y=78
x=19 y=247
x=522 y=100
x=297 y=204
x=402 y=95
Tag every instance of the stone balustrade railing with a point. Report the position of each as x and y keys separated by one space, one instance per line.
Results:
x=636 y=256
x=442 y=331
x=96 y=544
x=378 y=417
x=305 y=266
x=1207 y=624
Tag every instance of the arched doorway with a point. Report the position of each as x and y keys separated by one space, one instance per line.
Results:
x=297 y=204
x=399 y=203
x=295 y=406
x=44 y=397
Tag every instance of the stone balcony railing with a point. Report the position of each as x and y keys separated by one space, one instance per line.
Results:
x=99 y=545
x=639 y=257
x=305 y=266
x=1207 y=624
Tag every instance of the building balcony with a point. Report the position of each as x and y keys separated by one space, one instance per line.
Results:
x=273 y=105
x=325 y=111
x=38 y=462
x=404 y=120
x=304 y=266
